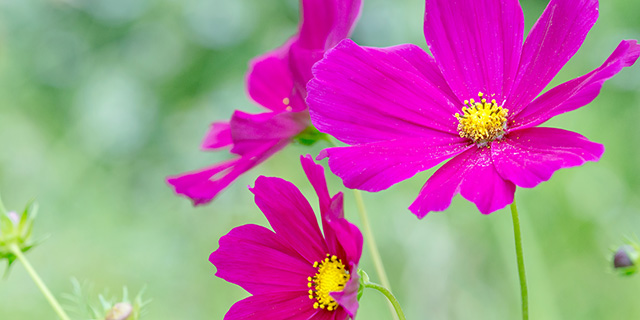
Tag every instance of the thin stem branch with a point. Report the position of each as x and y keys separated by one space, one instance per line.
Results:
x=390 y=296
x=520 y=256
x=371 y=243
x=3 y=210
x=43 y=288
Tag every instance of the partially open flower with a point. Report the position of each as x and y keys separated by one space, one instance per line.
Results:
x=121 y=311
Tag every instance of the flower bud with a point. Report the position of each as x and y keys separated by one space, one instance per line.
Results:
x=121 y=311
x=15 y=232
x=626 y=259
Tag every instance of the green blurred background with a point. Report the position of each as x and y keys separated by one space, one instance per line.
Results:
x=101 y=99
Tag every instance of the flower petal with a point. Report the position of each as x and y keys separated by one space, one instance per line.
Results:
x=253 y=131
x=269 y=80
x=203 y=185
x=578 y=92
x=476 y=43
x=471 y=174
x=326 y=22
x=349 y=239
x=553 y=40
x=290 y=216
x=530 y=156
x=377 y=166
x=254 y=258
x=348 y=298
x=219 y=136
x=362 y=95
x=277 y=305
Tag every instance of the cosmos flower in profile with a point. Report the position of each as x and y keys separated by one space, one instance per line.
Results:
x=477 y=101
x=276 y=81
x=295 y=271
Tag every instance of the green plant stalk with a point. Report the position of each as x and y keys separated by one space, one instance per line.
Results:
x=371 y=243
x=520 y=256
x=43 y=288
x=3 y=210
x=389 y=296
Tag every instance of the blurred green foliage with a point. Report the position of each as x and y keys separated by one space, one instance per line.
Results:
x=101 y=99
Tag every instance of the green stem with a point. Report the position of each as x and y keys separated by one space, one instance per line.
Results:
x=371 y=243
x=43 y=288
x=3 y=210
x=523 y=278
x=389 y=296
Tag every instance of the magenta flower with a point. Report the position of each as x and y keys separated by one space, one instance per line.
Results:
x=477 y=100
x=277 y=81
x=294 y=272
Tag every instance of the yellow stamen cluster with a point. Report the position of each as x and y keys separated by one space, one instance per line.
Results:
x=482 y=121
x=332 y=276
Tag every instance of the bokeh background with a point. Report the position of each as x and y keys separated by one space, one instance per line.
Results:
x=100 y=100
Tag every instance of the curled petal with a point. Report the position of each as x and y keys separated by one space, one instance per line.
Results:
x=530 y=156
x=218 y=136
x=348 y=298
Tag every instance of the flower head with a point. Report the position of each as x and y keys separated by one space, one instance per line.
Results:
x=295 y=271
x=277 y=81
x=16 y=231
x=477 y=101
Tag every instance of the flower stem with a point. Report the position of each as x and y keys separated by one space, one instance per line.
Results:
x=371 y=242
x=43 y=288
x=3 y=210
x=523 y=278
x=389 y=296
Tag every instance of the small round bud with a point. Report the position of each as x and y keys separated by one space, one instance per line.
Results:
x=626 y=259
x=121 y=311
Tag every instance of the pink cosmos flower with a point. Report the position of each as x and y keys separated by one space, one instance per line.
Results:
x=277 y=81
x=477 y=101
x=293 y=272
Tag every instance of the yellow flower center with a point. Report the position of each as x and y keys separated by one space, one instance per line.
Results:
x=331 y=276
x=482 y=121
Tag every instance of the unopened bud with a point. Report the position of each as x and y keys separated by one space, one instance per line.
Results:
x=626 y=259
x=121 y=311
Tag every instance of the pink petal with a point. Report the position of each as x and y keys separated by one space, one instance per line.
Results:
x=348 y=298
x=219 y=136
x=269 y=80
x=471 y=174
x=578 y=92
x=290 y=216
x=254 y=258
x=379 y=165
x=349 y=239
x=362 y=95
x=252 y=131
x=326 y=22
x=330 y=209
x=553 y=40
x=530 y=156
x=277 y=305
x=476 y=43
x=202 y=186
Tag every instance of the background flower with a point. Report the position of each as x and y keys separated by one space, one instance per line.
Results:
x=287 y=270
x=277 y=81
x=404 y=112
